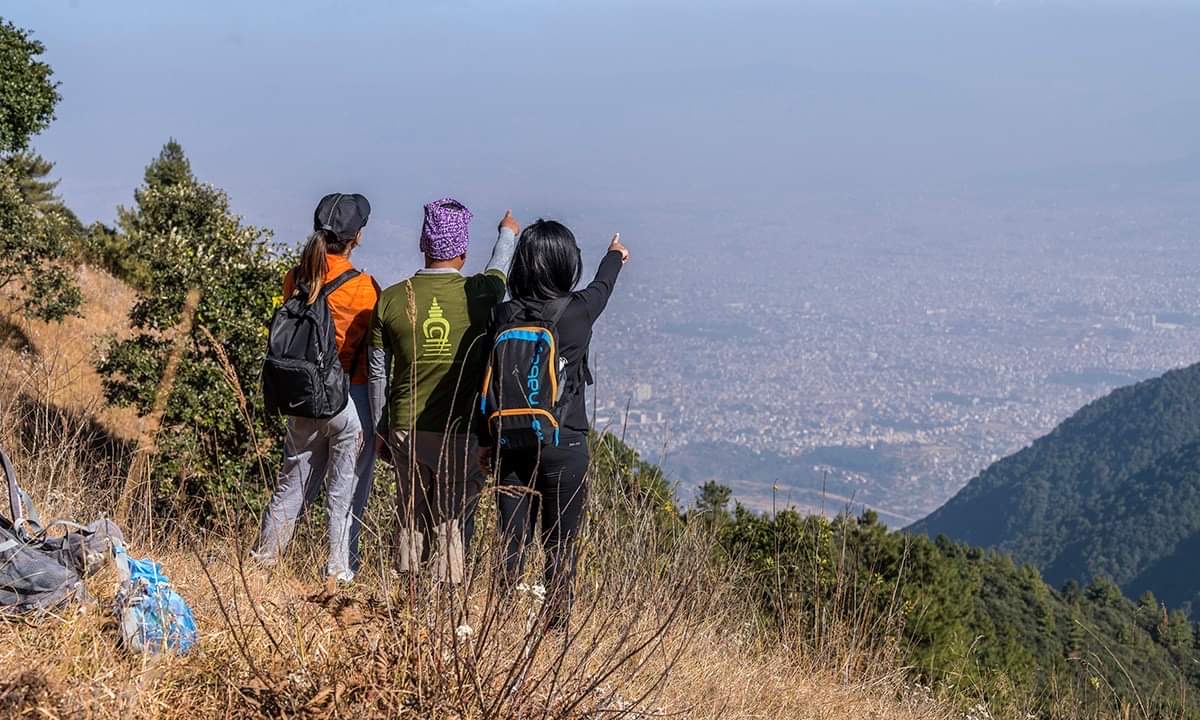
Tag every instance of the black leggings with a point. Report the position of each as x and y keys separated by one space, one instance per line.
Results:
x=556 y=506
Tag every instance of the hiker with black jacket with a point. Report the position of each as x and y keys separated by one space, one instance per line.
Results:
x=537 y=443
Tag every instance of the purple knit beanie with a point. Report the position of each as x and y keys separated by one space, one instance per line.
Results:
x=447 y=229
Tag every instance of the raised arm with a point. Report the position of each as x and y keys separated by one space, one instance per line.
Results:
x=506 y=244
x=595 y=295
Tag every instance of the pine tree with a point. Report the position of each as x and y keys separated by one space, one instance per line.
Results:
x=34 y=254
x=713 y=499
x=1179 y=636
x=170 y=169
x=33 y=172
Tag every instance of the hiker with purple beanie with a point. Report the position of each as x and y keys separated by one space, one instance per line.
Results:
x=426 y=363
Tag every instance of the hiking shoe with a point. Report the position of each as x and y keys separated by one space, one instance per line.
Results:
x=341 y=579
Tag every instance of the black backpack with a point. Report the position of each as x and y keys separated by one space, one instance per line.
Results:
x=528 y=384
x=302 y=375
x=39 y=571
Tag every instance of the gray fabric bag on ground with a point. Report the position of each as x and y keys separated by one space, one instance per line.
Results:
x=38 y=571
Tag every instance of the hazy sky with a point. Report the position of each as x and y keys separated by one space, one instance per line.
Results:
x=609 y=113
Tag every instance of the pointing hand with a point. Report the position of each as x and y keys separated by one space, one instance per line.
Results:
x=616 y=245
x=510 y=222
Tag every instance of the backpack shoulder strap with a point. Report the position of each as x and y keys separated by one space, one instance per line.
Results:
x=24 y=514
x=14 y=492
x=338 y=281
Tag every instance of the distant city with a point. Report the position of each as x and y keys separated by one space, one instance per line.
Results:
x=883 y=359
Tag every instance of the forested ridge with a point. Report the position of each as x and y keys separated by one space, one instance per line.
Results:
x=1114 y=492
x=964 y=618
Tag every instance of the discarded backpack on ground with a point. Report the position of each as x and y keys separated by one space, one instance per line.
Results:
x=302 y=374
x=153 y=617
x=527 y=379
x=40 y=572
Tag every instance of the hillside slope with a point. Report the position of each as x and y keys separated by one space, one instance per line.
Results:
x=878 y=613
x=55 y=361
x=1113 y=491
x=650 y=639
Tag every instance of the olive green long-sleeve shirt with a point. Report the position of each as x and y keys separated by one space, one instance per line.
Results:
x=433 y=327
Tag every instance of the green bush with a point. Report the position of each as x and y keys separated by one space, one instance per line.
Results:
x=181 y=235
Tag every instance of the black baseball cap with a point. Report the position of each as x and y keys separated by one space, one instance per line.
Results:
x=342 y=214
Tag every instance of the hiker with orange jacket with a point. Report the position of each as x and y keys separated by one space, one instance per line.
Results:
x=331 y=452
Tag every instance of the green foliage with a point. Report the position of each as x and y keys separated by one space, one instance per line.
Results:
x=970 y=621
x=26 y=86
x=33 y=180
x=713 y=499
x=105 y=248
x=628 y=485
x=170 y=169
x=97 y=245
x=182 y=235
x=1114 y=491
x=38 y=234
x=34 y=253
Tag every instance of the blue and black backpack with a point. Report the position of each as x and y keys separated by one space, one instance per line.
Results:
x=528 y=384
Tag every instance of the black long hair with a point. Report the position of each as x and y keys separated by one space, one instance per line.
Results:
x=547 y=263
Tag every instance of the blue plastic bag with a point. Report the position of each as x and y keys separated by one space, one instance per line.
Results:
x=153 y=617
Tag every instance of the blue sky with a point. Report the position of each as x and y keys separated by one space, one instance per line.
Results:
x=612 y=115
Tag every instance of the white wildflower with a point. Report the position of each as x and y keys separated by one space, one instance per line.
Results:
x=463 y=632
x=979 y=712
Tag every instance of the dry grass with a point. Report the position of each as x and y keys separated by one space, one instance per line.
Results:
x=55 y=361
x=655 y=634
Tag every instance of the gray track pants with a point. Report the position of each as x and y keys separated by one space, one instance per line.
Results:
x=317 y=451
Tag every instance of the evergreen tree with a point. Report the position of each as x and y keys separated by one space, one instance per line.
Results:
x=29 y=94
x=170 y=169
x=183 y=234
x=37 y=232
x=32 y=172
x=1113 y=491
x=33 y=254
x=35 y=184
x=713 y=500
x=1179 y=635
x=110 y=250
x=1103 y=591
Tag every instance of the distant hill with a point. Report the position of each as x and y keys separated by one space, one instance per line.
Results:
x=1113 y=491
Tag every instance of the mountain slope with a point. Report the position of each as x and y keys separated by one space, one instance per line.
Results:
x=1114 y=491
x=973 y=618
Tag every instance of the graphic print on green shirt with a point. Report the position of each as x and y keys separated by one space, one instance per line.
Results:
x=438 y=348
x=438 y=357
